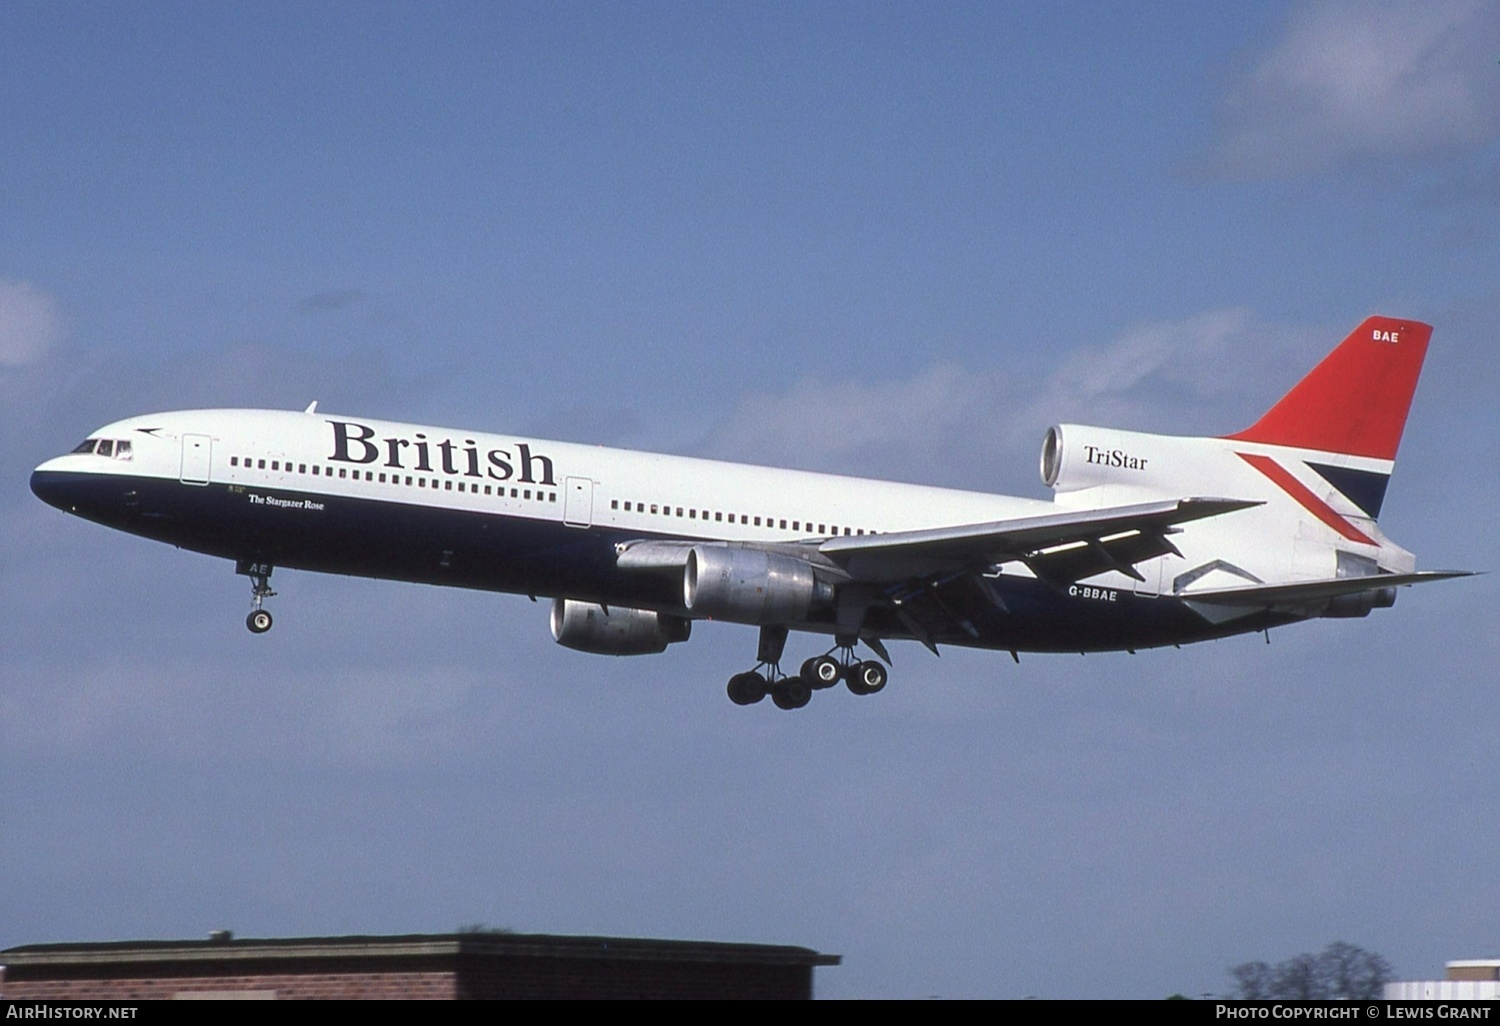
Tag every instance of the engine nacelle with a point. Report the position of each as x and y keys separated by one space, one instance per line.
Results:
x=750 y=586
x=1076 y=456
x=1360 y=603
x=618 y=630
x=1131 y=462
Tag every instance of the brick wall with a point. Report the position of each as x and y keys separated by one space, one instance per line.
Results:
x=287 y=986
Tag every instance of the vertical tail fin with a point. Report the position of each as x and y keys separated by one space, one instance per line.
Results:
x=1355 y=402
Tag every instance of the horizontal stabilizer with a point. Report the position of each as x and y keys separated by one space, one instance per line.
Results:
x=1302 y=592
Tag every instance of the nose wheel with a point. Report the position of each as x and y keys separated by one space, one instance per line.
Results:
x=259 y=621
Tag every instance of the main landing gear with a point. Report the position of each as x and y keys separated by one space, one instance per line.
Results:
x=259 y=621
x=817 y=674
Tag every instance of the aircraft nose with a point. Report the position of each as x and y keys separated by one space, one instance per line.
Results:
x=52 y=487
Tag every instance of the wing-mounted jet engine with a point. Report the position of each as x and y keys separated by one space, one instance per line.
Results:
x=600 y=630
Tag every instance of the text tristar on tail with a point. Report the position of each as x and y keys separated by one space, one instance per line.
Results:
x=1149 y=540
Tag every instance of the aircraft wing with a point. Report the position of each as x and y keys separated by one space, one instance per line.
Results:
x=1058 y=547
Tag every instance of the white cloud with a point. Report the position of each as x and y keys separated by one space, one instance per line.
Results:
x=29 y=323
x=1355 y=80
x=1188 y=376
x=980 y=427
x=860 y=426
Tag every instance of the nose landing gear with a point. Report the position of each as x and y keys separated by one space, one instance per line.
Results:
x=259 y=621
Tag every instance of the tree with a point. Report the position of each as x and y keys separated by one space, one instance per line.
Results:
x=1341 y=972
x=1355 y=973
x=1254 y=979
x=1301 y=977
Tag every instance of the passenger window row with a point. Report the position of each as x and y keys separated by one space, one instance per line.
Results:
x=381 y=477
x=743 y=519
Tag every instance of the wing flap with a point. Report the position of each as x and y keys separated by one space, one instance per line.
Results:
x=1058 y=547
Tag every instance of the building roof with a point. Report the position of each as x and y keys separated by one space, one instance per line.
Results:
x=232 y=949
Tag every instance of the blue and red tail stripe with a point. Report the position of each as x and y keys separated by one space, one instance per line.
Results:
x=1364 y=488
x=1304 y=495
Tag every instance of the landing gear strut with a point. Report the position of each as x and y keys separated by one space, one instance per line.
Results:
x=259 y=621
x=817 y=673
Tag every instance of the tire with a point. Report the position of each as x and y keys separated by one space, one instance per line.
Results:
x=867 y=678
x=791 y=693
x=259 y=621
x=822 y=672
x=747 y=688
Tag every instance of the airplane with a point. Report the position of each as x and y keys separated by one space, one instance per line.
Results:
x=1149 y=540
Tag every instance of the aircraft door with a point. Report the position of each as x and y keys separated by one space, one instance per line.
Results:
x=197 y=451
x=578 y=502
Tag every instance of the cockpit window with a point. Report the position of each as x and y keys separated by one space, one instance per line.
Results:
x=118 y=448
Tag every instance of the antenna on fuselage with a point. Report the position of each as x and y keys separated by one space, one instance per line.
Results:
x=312 y=407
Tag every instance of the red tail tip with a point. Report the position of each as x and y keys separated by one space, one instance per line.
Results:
x=1356 y=400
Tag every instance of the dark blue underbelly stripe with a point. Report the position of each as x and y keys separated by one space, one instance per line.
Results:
x=493 y=551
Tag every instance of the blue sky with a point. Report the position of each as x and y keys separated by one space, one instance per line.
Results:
x=891 y=240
